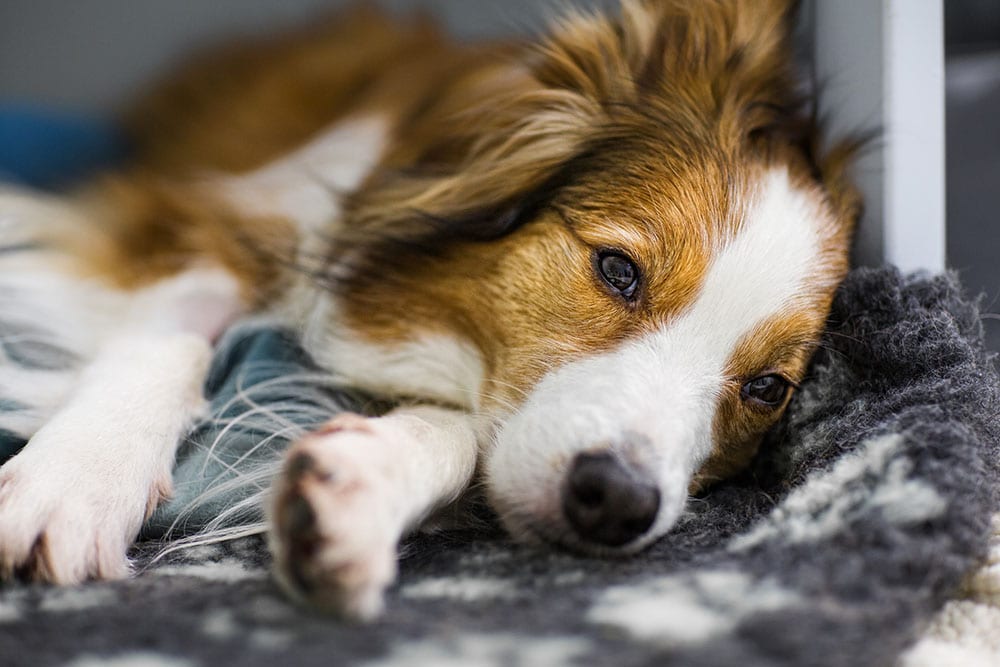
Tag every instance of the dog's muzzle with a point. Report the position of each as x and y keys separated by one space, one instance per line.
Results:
x=607 y=501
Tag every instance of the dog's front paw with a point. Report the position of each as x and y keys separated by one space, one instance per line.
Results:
x=334 y=519
x=64 y=525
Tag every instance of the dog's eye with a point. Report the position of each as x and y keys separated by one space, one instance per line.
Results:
x=619 y=272
x=767 y=390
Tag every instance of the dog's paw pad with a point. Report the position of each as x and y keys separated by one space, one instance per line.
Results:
x=302 y=465
x=333 y=537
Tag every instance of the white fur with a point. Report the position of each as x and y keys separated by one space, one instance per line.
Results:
x=440 y=368
x=654 y=398
x=45 y=302
x=74 y=498
x=25 y=215
x=373 y=480
x=42 y=303
x=33 y=396
x=305 y=186
x=74 y=314
x=203 y=301
x=88 y=477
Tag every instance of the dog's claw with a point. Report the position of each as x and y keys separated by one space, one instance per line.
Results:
x=49 y=537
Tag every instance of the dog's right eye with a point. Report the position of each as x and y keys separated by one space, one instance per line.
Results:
x=619 y=272
x=768 y=390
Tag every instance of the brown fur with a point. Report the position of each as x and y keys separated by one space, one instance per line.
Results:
x=152 y=228
x=509 y=168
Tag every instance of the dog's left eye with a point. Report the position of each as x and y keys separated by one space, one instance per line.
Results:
x=767 y=390
x=619 y=272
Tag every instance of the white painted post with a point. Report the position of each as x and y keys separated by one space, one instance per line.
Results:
x=882 y=67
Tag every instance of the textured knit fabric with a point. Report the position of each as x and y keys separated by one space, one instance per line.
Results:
x=855 y=525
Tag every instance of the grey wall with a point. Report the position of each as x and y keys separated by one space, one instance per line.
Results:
x=85 y=55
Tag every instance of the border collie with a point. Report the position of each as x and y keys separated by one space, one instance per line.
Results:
x=589 y=271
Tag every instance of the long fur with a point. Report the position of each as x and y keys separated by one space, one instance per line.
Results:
x=446 y=226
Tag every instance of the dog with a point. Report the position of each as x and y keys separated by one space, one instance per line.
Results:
x=590 y=273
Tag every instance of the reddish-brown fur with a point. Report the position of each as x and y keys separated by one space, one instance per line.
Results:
x=635 y=135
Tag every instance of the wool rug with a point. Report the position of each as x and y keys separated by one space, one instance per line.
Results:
x=853 y=534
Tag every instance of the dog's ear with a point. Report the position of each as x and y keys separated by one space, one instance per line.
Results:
x=485 y=165
x=510 y=132
x=724 y=65
x=499 y=145
x=697 y=47
x=475 y=165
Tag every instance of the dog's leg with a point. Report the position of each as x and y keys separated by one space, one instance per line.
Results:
x=348 y=492
x=75 y=497
x=73 y=500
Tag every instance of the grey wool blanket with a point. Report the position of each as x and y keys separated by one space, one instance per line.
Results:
x=859 y=519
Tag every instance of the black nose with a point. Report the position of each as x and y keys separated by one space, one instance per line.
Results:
x=608 y=502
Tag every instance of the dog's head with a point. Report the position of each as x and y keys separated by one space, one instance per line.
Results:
x=639 y=238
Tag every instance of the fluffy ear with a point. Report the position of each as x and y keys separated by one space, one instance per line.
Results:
x=730 y=63
x=503 y=134
x=656 y=47
x=476 y=164
x=721 y=66
x=484 y=169
x=497 y=146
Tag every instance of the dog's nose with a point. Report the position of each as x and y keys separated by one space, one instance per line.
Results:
x=608 y=502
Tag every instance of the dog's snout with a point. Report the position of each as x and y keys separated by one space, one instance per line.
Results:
x=607 y=501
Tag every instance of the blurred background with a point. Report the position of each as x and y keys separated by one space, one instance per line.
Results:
x=972 y=135
x=83 y=58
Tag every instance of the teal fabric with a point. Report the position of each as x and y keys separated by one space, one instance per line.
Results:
x=264 y=391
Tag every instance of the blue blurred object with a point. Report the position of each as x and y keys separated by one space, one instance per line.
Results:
x=44 y=148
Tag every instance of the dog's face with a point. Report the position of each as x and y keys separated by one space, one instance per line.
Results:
x=674 y=316
x=653 y=253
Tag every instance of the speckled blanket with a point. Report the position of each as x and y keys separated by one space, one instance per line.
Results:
x=858 y=521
